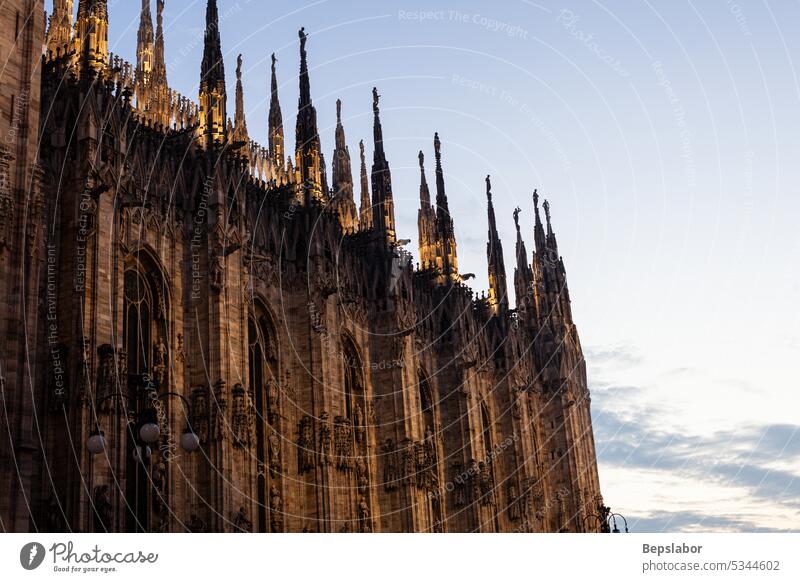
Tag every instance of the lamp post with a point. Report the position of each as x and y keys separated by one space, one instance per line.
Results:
x=607 y=520
x=147 y=423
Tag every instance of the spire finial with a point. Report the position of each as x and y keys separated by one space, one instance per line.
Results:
x=437 y=149
x=303 y=36
x=516 y=217
x=488 y=188
x=361 y=149
x=536 y=199
x=546 y=207
x=339 y=111
x=274 y=60
x=239 y=67
x=421 y=160
x=375 y=99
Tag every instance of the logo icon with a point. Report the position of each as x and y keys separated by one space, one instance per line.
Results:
x=31 y=555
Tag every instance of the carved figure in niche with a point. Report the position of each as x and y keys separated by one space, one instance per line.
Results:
x=409 y=462
x=273 y=394
x=362 y=477
x=513 y=503
x=305 y=445
x=343 y=440
x=325 y=440
x=241 y=523
x=364 y=521
x=160 y=367
x=459 y=485
x=216 y=272
x=240 y=417
x=358 y=423
x=275 y=466
x=200 y=414
x=390 y=466
x=275 y=510
x=103 y=511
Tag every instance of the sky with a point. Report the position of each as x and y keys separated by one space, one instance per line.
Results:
x=664 y=135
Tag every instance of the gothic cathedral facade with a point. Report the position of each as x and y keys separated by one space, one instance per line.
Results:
x=200 y=334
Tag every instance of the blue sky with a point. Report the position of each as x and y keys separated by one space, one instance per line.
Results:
x=664 y=135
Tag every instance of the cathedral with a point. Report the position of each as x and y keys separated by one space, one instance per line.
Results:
x=201 y=333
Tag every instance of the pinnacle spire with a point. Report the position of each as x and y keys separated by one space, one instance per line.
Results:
x=213 y=115
x=343 y=177
x=523 y=275
x=91 y=34
x=382 y=198
x=445 y=229
x=277 y=149
x=59 y=31
x=538 y=229
x=159 y=58
x=424 y=192
x=498 y=293
x=429 y=249
x=239 y=122
x=365 y=211
x=308 y=153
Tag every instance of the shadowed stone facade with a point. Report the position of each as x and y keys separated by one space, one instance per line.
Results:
x=160 y=266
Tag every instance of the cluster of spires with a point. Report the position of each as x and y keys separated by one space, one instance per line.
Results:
x=86 y=44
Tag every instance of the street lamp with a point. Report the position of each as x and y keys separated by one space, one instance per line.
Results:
x=97 y=442
x=613 y=517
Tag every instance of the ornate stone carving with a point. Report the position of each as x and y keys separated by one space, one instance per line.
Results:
x=241 y=417
x=391 y=467
x=241 y=522
x=199 y=417
x=305 y=445
x=275 y=510
x=325 y=440
x=343 y=441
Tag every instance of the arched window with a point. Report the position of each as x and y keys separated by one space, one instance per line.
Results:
x=145 y=341
x=263 y=378
x=429 y=458
x=486 y=467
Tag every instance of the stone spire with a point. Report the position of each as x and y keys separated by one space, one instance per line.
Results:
x=59 y=32
x=365 y=211
x=538 y=229
x=498 y=292
x=213 y=116
x=145 y=40
x=91 y=36
x=343 y=178
x=307 y=148
x=382 y=198
x=159 y=57
x=277 y=148
x=159 y=91
x=523 y=275
x=239 y=122
x=426 y=222
x=448 y=252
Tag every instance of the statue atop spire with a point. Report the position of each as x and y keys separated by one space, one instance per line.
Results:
x=240 y=135
x=307 y=146
x=382 y=197
x=445 y=229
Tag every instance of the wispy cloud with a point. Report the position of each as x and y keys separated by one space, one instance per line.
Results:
x=741 y=479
